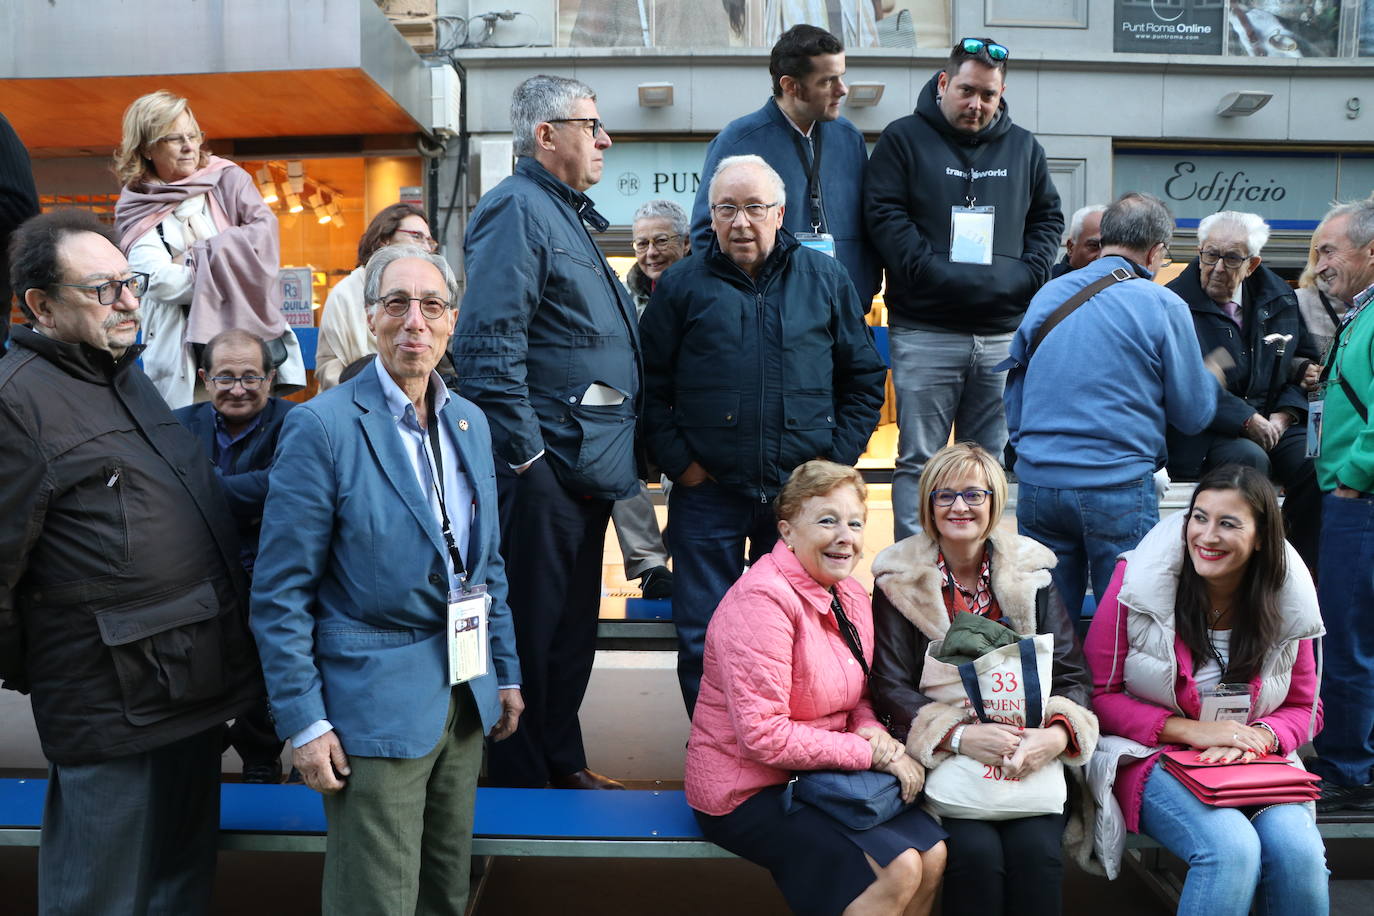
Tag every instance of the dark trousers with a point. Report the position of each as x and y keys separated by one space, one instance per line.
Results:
x=552 y=542
x=1287 y=463
x=707 y=529
x=133 y=836
x=997 y=867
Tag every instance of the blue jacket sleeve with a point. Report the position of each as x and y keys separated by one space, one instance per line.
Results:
x=1044 y=222
x=297 y=531
x=507 y=263
x=702 y=231
x=859 y=377
x=660 y=330
x=1190 y=391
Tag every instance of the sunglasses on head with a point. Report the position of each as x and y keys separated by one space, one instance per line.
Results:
x=974 y=45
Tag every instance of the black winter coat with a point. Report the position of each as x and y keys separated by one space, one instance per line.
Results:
x=123 y=609
x=1268 y=306
x=750 y=378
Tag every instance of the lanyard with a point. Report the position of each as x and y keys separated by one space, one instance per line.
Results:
x=437 y=457
x=848 y=630
x=970 y=160
x=1330 y=311
x=813 y=172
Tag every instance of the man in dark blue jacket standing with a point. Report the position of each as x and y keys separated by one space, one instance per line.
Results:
x=966 y=219
x=757 y=358
x=820 y=155
x=547 y=346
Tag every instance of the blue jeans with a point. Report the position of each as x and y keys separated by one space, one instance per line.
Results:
x=707 y=527
x=1345 y=747
x=1277 y=860
x=1087 y=530
x=942 y=380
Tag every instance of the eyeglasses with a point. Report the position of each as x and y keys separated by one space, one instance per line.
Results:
x=997 y=52
x=430 y=306
x=944 y=498
x=1210 y=256
x=195 y=139
x=108 y=293
x=419 y=238
x=227 y=382
x=659 y=241
x=726 y=213
x=594 y=123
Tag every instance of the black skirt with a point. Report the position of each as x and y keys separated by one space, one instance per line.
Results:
x=817 y=862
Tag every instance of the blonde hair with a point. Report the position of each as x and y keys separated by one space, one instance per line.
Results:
x=146 y=119
x=957 y=460
x=816 y=478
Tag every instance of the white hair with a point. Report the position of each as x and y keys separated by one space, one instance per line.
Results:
x=542 y=98
x=1079 y=217
x=1252 y=224
x=665 y=209
x=730 y=162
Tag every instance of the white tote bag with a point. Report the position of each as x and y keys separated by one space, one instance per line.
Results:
x=1009 y=685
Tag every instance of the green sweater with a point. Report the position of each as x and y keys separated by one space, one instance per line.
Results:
x=1347 y=444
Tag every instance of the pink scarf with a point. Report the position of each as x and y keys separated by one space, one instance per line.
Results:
x=236 y=269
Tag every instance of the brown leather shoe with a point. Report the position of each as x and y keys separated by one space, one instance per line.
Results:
x=585 y=779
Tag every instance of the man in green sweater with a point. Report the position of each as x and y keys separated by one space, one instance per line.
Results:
x=1345 y=472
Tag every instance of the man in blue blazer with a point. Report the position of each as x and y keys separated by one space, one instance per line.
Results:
x=238 y=429
x=381 y=524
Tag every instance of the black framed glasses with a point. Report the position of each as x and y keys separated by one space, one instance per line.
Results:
x=997 y=52
x=419 y=238
x=596 y=124
x=1209 y=256
x=227 y=382
x=107 y=293
x=430 y=306
x=944 y=498
x=659 y=241
x=753 y=212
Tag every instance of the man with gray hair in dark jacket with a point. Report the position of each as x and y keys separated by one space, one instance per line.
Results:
x=547 y=345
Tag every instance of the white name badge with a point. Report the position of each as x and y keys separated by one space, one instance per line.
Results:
x=468 y=648
x=1227 y=703
x=970 y=234
x=823 y=242
x=1316 y=403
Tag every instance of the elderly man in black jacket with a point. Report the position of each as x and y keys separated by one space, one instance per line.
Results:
x=1247 y=311
x=757 y=358
x=122 y=603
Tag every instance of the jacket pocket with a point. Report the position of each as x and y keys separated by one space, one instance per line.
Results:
x=706 y=408
x=808 y=422
x=166 y=652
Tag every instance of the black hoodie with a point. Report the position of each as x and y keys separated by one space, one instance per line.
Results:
x=916 y=174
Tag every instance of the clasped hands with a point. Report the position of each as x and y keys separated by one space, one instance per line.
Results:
x=1229 y=742
x=1018 y=751
x=889 y=756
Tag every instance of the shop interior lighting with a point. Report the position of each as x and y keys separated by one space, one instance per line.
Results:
x=293 y=203
x=655 y=95
x=267 y=185
x=295 y=176
x=864 y=95
x=1242 y=104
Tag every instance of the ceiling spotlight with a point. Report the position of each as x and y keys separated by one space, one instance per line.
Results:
x=655 y=95
x=295 y=176
x=267 y=185
x=293 y=203
x=1242 y=104
x=864 y=95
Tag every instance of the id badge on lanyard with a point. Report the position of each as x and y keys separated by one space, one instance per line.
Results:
x=1226 y=703
x=1316 y=403
x=970 y=234
x=823 y=242
x=468 y=649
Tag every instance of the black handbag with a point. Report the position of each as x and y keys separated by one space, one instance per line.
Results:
x=859 y=799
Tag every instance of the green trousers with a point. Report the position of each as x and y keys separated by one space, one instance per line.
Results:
x=400 y=832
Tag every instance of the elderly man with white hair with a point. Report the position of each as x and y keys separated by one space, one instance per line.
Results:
x=1250 y=313
x=1083 y=241
x=757 y=358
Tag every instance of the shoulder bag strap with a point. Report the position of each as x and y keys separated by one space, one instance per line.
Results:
x=1118 y=275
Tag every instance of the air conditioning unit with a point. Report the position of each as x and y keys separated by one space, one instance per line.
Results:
x=445 y=100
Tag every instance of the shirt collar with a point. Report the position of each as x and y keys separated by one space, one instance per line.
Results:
x=222 y=427
x=396 y=400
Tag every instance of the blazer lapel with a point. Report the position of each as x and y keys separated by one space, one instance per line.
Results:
x=385 y=443
x=451 y=416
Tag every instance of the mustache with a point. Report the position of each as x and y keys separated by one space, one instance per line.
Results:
x=118 y=317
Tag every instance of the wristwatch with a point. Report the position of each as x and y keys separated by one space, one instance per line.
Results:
x=955 y=735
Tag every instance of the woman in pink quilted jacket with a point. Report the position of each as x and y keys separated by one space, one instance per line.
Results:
x=784 y=690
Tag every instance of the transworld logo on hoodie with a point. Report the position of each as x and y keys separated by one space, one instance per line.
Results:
x=987 y=173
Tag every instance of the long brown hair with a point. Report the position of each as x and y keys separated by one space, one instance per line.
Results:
x=383 y=227
x=1255 y=607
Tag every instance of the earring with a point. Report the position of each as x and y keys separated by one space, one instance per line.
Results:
x=791 y=548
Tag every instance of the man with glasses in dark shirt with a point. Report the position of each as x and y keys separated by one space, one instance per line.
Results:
x=238 y=428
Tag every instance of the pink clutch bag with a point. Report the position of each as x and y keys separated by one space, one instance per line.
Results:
x=1267 y=780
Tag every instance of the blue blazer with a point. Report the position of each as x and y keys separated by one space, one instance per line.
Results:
x=350 y=589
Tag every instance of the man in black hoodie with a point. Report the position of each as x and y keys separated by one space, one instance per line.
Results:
x=962 y=210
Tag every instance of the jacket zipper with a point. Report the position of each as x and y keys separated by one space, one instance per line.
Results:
x=763 y=384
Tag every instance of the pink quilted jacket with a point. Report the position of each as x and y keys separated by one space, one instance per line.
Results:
x=780 y=691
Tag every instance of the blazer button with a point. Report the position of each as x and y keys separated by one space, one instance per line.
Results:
x=436 y=579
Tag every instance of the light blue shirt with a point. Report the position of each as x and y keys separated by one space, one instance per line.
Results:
x=458 y=493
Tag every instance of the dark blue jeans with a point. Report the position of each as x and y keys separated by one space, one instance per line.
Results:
x=1087 y=530
x=707 y=528
x=1345 y=746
